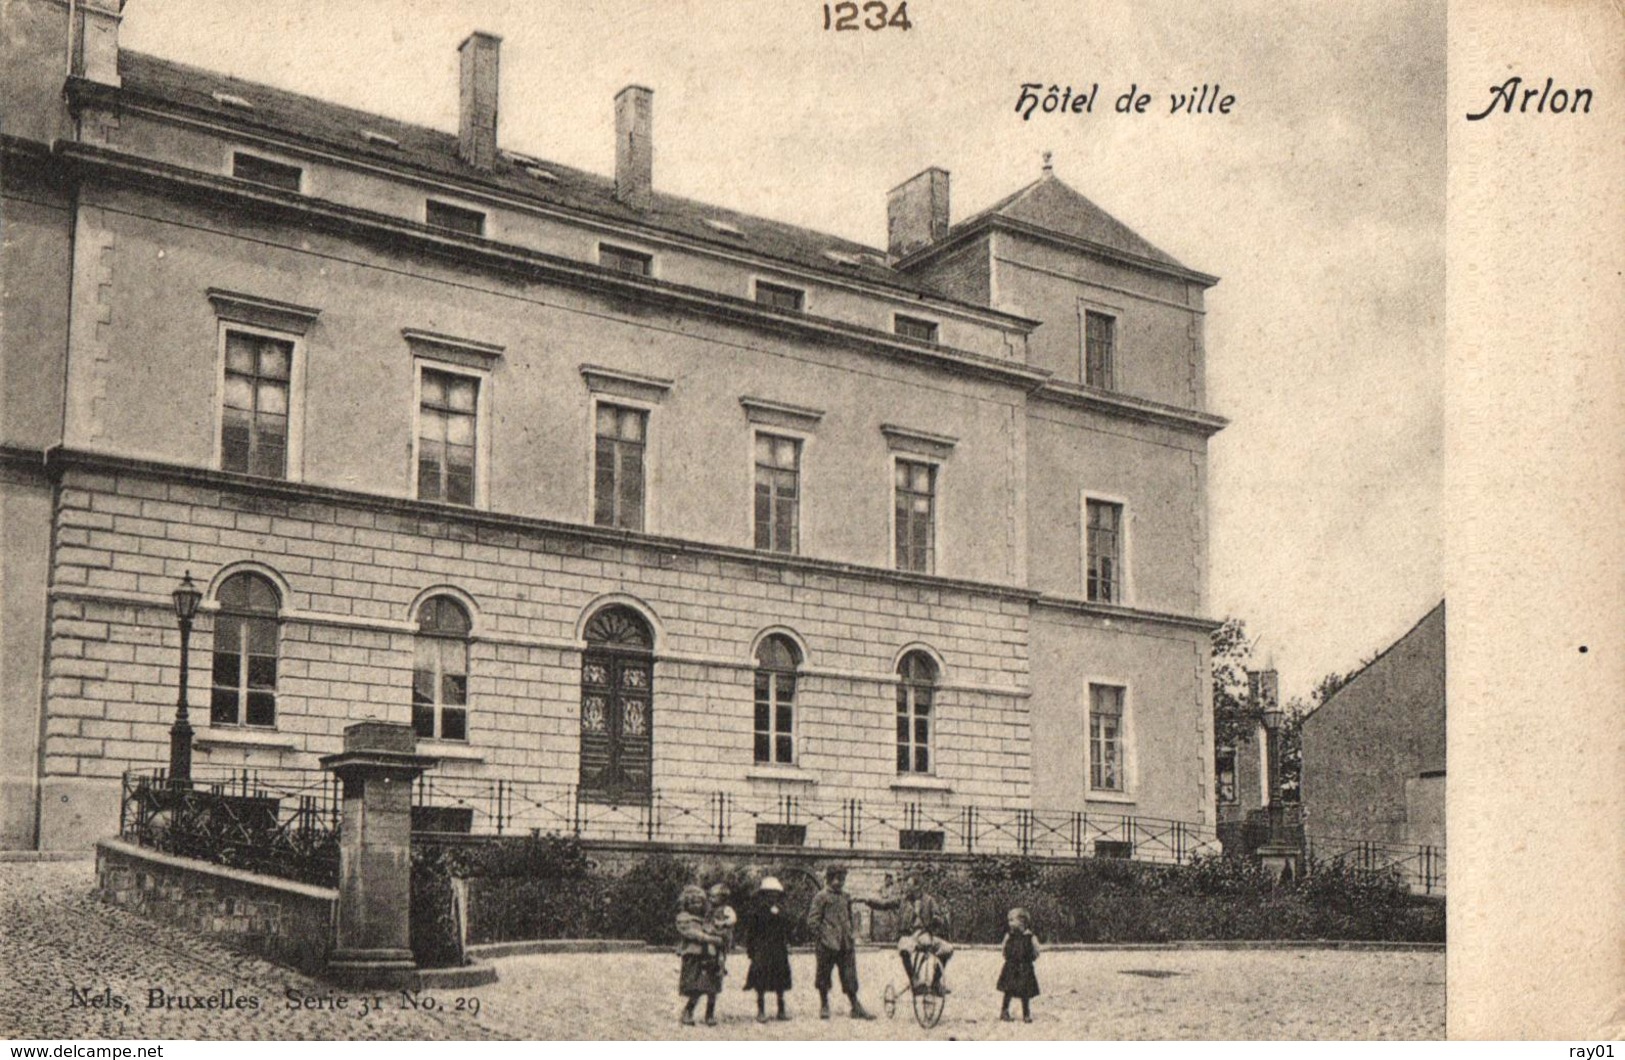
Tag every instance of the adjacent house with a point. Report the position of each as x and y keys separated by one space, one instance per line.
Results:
x=1374 y=751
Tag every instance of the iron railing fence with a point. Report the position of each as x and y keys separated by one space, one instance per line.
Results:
x=284 y=822
x=505 y=807
x=1421 y=866
x=278 y=822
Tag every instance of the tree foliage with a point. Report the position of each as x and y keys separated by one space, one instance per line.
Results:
x=1233 y=714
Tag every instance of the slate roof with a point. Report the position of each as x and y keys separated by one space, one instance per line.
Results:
x=1047 y=203
x=1050 y=203
x=434 y=152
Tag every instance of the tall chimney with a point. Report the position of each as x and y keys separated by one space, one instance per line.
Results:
x=634 y=146
x=917 y=212
x=93 y=40
x=477 y=111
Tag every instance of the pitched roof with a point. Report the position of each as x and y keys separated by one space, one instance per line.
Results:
x=1050 y=203
x=434 y=152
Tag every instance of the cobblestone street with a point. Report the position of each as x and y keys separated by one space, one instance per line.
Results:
x=59 y=937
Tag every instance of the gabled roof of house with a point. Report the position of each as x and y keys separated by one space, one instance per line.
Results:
x=1354 y=675
x=433 y=153
x=1052 y=204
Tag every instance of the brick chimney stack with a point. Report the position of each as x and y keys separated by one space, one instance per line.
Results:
x=477 y=112
x=93 y=40
x=634 y=146
x=917 y=212
x=1264 y=688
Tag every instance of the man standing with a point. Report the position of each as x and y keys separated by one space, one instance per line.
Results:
x=829 y=920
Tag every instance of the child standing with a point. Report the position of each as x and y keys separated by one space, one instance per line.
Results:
x=720 y=920
x=1017 y=978
x=697 y=947
x=829 y=921
x=767 y=942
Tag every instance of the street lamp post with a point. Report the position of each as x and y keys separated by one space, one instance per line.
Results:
x=1273 y=716
x=1279 y=855
x=186 y=598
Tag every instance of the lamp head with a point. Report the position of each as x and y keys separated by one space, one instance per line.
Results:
x=186 y=597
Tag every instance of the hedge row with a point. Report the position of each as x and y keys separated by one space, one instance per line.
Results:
x=548 y=887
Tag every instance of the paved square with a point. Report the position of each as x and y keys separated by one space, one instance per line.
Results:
x=59 y=938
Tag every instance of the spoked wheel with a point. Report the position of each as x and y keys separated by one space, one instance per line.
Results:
x=889 y=1000
x=928 y=1001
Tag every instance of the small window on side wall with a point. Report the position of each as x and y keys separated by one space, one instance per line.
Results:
x=780 y=297
x=622 y=259
x=1099 y=350
x=1106 y=752
x=454 y=218
x=1224 y=774
x=264 y=171
x=1104 y=576
x=915 y=328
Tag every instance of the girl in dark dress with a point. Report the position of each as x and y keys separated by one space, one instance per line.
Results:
x=767 y=943
x=1017 y=978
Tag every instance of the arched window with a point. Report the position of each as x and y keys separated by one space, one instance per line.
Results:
x=916 y=691
x=440 y=671
x=776 y=662
x=245 y=652
x=617 y=708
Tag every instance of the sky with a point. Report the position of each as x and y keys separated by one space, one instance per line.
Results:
x=1318 y=200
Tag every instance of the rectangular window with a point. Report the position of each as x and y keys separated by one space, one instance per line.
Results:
x=1105 y=545
x=264 y=171
x=254 y=413
x=916 y=488
x=914 y=328
x=620 y=259
x=454 y=218
x=1106 y=737
x=448 y=430
x=619 y=458
x=775 y=717
x=779 y=296
x=1224 y=774
x=1099 y=349
x=778 y=493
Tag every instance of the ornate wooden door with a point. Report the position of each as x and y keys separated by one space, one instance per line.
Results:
x=617 y=709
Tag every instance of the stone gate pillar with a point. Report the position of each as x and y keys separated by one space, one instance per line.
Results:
x=373 y=944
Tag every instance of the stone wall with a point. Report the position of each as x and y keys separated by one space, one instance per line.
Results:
x=351 y=568
x=283 y=921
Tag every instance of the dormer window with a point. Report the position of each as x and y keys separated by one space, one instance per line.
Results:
x=454 y=218
x=264 y=171
x=915 y=328
x=622 y=259
x=780 y=297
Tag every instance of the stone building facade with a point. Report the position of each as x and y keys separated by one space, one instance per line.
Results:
x=596 y=486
